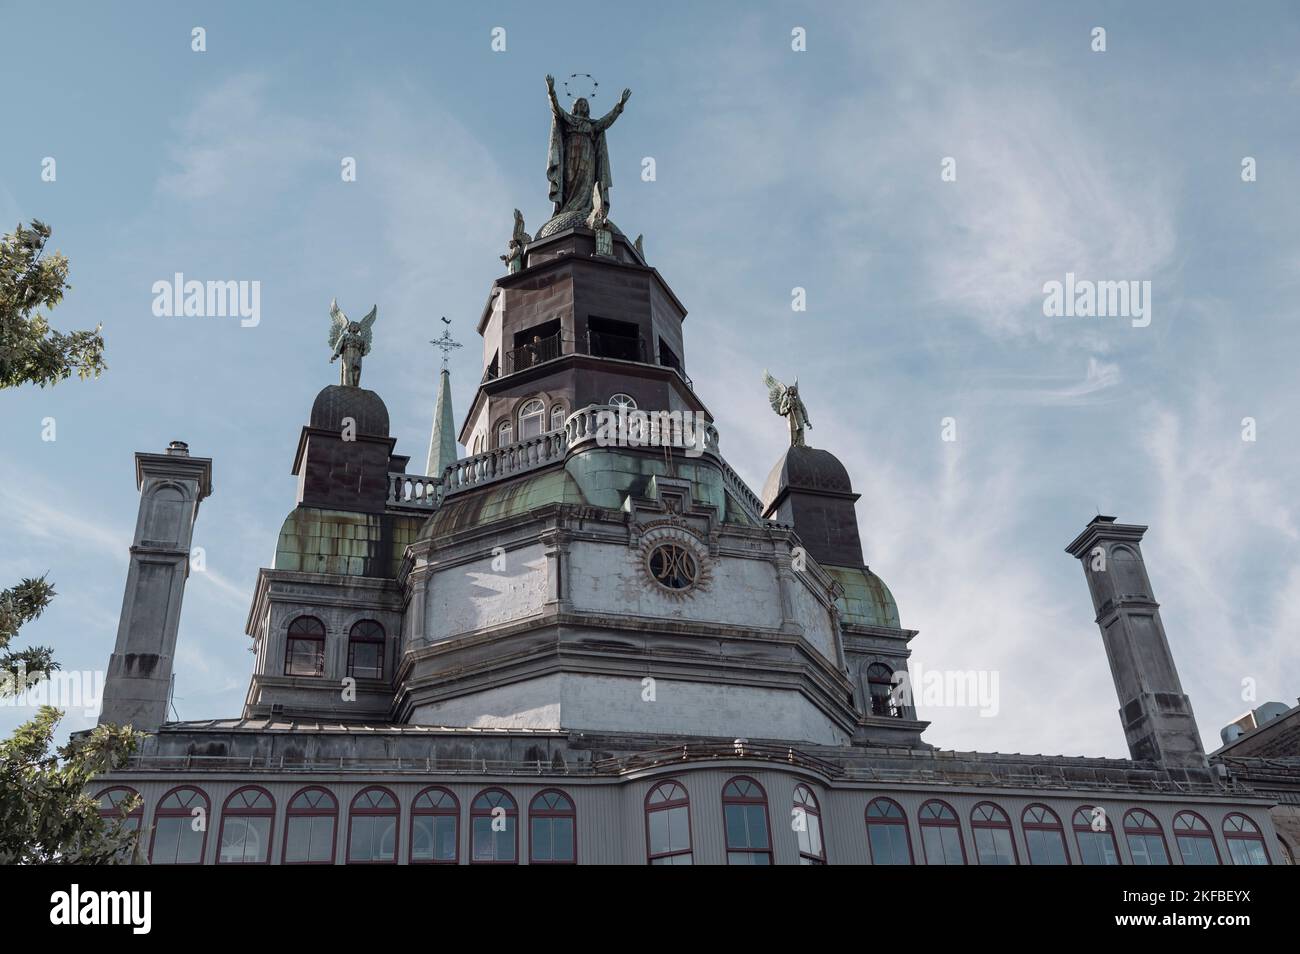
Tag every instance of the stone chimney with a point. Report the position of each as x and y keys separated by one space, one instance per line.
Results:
x=171 y=485
x=1155 y=712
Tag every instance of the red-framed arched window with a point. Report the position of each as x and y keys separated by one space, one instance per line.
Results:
x=807 y=822
x=122 y=806
x=1245 y=843
x=309 y=828
x=668 y=825
x=744 y=817
x=372 y=828
x=435 y=827
x=887 y=836
x=941 y=834
x=494 y=828
x=366 y=650
x=304 y=647
x=994 y=842
x=247 y=818
x=1095 y=836
x=180 y=827
x=1195 y=840
x=552 y=829
x=1145 y=838
x=1044 y=836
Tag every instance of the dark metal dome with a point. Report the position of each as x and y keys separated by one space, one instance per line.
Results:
x=337 y=401
x=809 y=469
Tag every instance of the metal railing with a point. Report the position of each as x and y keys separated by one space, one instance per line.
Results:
x=533 y=353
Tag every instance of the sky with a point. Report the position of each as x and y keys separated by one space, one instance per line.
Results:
x=775 y=169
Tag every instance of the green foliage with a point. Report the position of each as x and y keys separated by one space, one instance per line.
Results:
x=18 y=605
x=30 y=351
x=46 y=814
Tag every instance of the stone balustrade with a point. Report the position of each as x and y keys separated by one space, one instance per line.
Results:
x=414 y=492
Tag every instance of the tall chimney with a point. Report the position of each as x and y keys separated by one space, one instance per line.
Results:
x=171 y=485
x=1155 y=712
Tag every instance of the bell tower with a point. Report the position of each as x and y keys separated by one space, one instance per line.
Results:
x=1156 y=713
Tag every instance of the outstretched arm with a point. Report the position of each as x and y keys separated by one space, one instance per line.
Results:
x=556 y=108
x=604 y=122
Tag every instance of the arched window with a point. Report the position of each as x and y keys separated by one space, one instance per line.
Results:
x=880 y=686
x=668 y=825
x=304 y=653
x=1245 y=843
x=435 y=836
x=245 y=835
x=372 y=828
x=1146 y=839
x=941 y=834
x=180 y=828
x=309 y=828
x=1044 y=836
x=1095 y=836
x=505 y=434
x=622 y=400
x=113 y=807
x=994 y=844
x=366 y=650
x=494 y=828
x=887 y=834
x=122 y=805
x=744 y=814
x=552 y=829
x=1195 y=840
x=557 y=417
x=808 y=826
x=532 y=419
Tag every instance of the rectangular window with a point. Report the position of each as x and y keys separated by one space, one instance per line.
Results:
x=310 y=840
x=306 y=657
x=433 y=838
x=175 y=842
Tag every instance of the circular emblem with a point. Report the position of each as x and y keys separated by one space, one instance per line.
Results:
x=674 y=566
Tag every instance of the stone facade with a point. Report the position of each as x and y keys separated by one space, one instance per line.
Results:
x=564 y=648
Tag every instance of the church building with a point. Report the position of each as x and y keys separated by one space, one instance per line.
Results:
x=590 y=642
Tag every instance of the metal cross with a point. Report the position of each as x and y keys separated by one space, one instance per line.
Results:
x=446 y=343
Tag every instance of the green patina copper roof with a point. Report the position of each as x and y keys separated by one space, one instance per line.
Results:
x=348 y=544
x=510 y=498
x=598 y=477
x=866 y=600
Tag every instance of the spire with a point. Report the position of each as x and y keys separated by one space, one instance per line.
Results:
x=442 y=441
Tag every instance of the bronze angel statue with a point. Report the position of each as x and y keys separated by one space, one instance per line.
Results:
x=350 y=341
x=519 y=240
x=785 y=401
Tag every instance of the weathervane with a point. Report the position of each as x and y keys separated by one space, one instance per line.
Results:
x=445 y=342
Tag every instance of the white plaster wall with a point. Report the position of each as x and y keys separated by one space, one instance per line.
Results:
x=609 y=578
x=534 y=704
x=814 y=618
x=618 y=704
x=471 y=596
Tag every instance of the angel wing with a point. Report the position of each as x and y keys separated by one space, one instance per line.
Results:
x=520 y=235
x=338 y=321
x=775 y=391
x=366 y=324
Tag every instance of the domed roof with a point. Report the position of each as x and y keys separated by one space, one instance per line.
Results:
x=806 y=468
x=576 y=219
x=338 y=401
